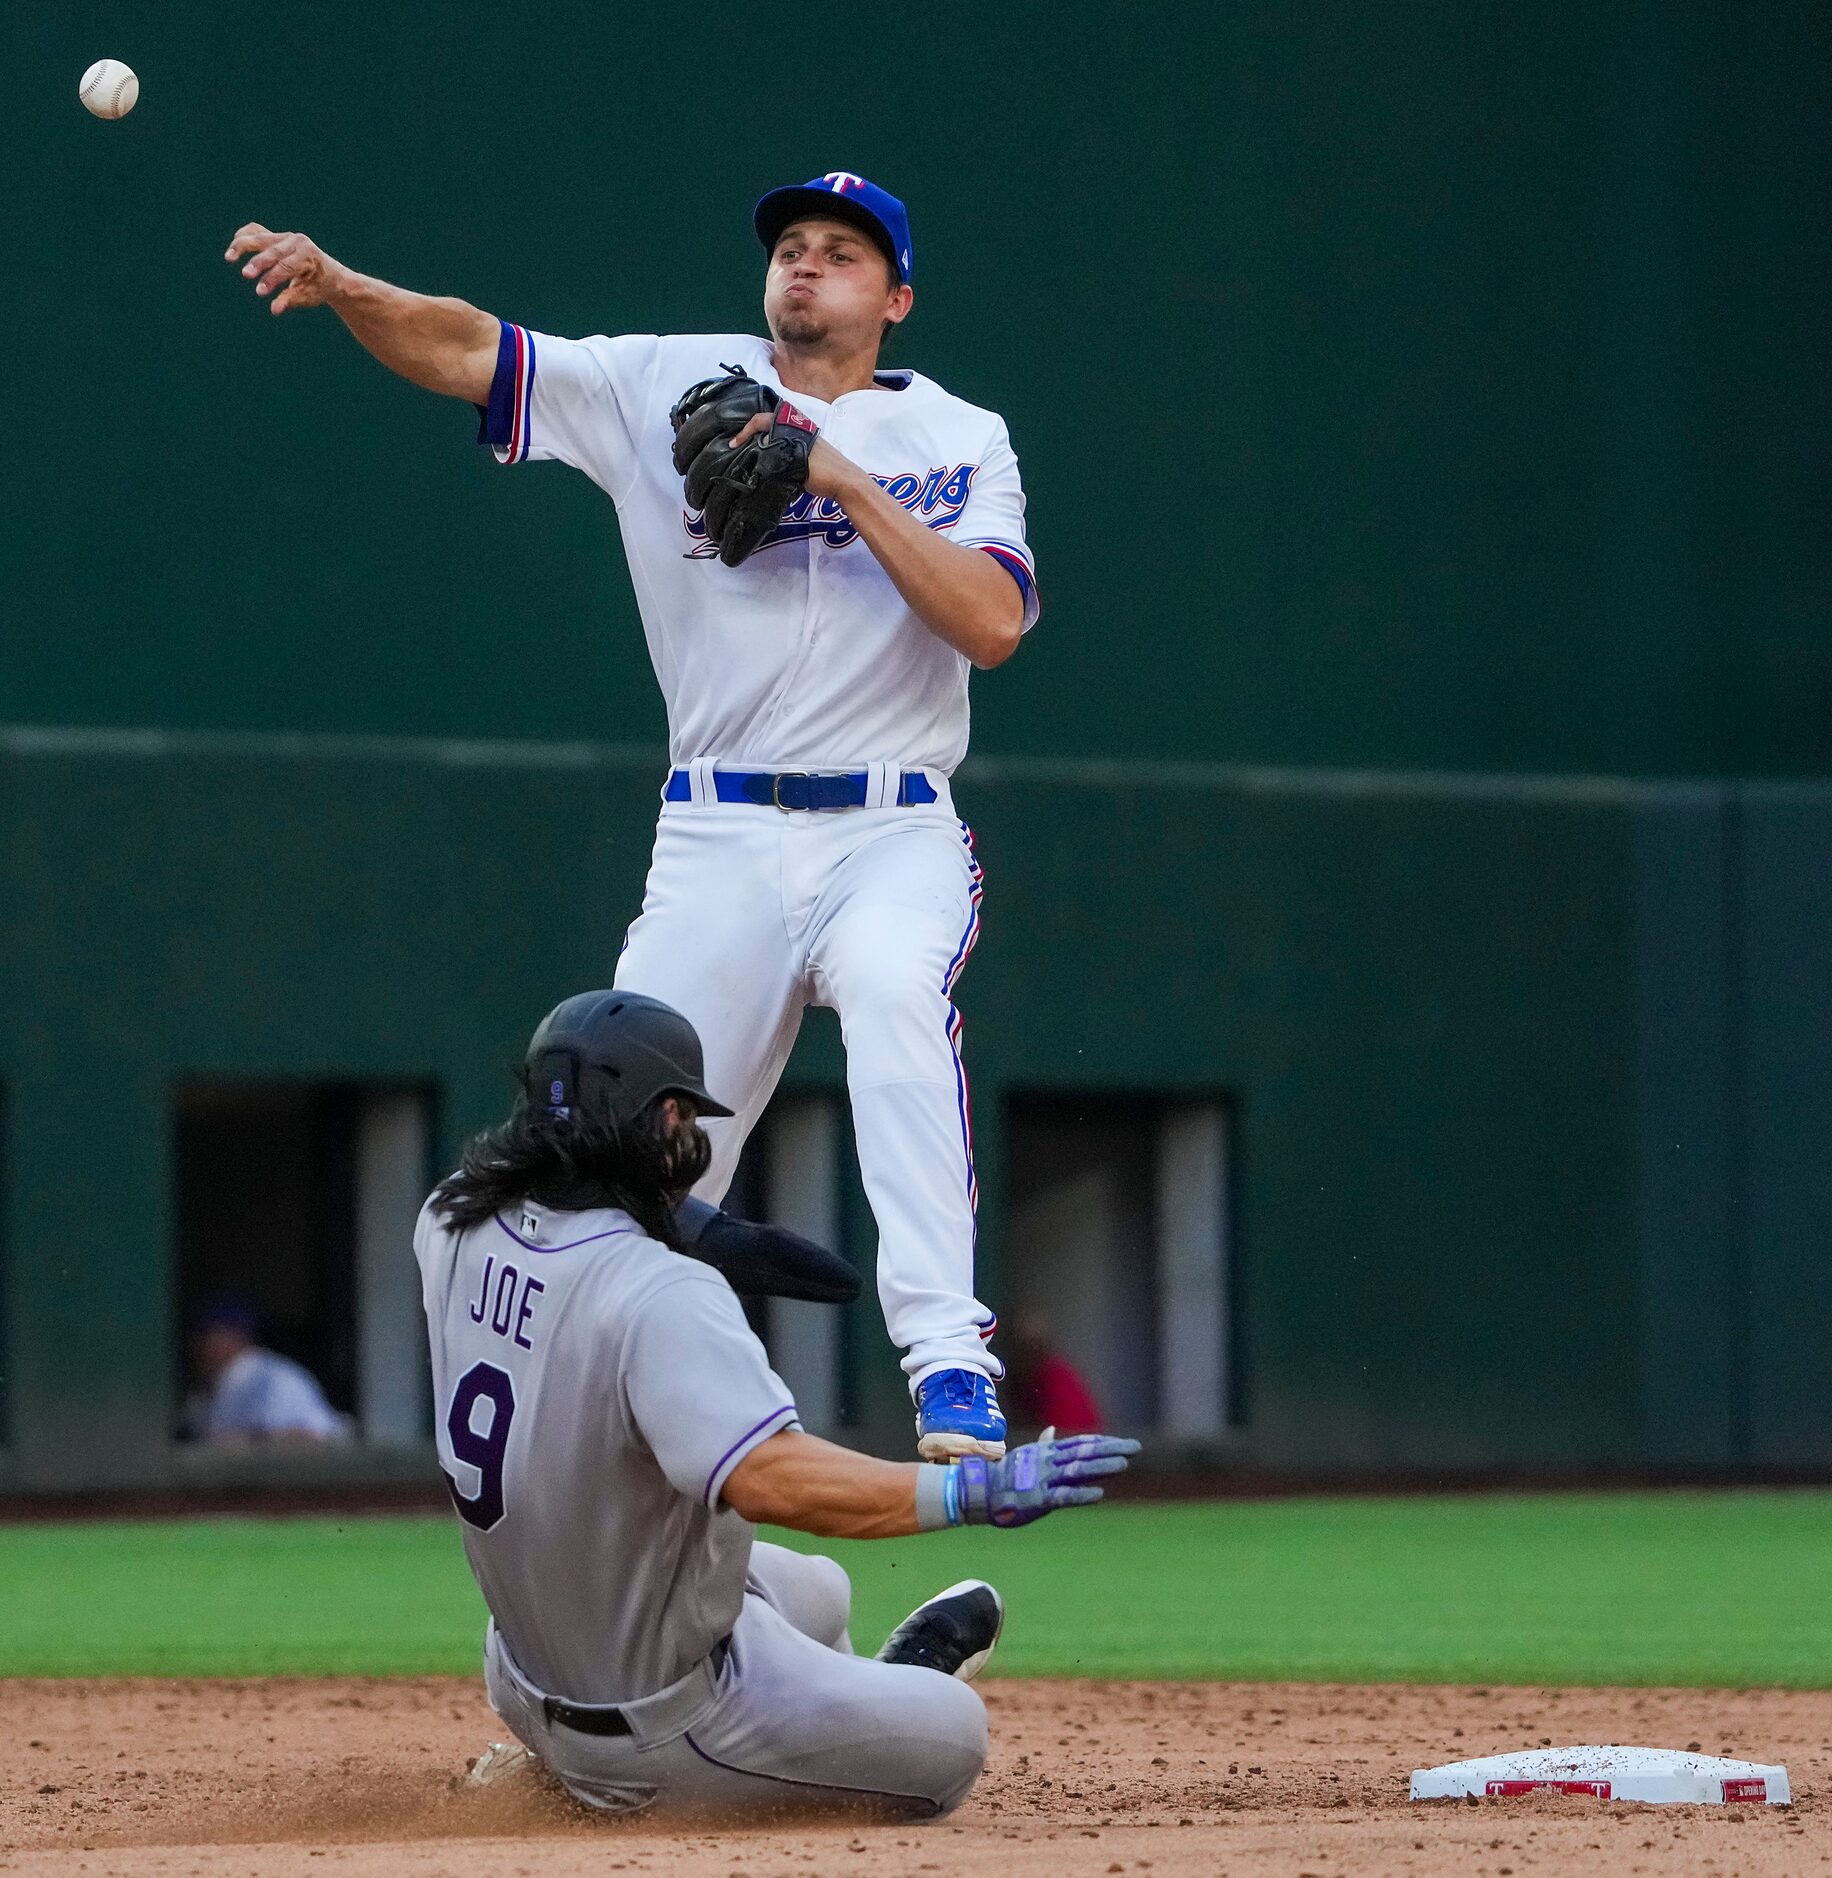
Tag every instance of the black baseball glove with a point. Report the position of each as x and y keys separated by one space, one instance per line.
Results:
x=741 y=493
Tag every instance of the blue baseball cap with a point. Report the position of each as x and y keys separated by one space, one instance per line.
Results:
x=847 y=197
x=226 y=1310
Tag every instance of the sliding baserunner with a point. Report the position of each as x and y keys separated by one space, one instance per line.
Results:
x=611 y=1431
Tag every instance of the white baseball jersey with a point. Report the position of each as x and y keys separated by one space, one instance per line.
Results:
x=806 y=656
x=592 y=1392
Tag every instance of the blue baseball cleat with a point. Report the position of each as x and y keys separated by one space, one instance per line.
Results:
x=957 y=1413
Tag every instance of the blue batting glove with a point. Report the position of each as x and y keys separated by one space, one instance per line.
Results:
x=1034 y=1479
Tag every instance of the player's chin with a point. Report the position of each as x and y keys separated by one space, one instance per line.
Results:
x=800 y=326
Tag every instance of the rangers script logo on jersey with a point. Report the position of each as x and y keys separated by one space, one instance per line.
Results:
x=939 y=497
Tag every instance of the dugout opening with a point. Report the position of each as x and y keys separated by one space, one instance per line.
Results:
x=791 y=1173
x=294 y=1202
x=1120 y=1274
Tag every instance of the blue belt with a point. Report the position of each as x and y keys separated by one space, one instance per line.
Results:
x=800 y=788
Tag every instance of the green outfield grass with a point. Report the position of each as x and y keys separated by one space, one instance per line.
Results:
x=1706 y=1588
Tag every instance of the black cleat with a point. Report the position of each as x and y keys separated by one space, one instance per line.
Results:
x=953 y=1632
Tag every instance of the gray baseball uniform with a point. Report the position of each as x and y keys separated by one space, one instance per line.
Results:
x=593 y=1392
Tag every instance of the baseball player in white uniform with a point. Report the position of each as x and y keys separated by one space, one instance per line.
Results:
x=808 y=850
x=610 y=1428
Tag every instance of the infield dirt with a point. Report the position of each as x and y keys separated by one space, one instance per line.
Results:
x=360 y=1778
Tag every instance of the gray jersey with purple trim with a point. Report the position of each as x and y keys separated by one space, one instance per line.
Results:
x=592 y=1392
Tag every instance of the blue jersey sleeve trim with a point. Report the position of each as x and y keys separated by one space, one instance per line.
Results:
x=503 y=422
x=1016 y=566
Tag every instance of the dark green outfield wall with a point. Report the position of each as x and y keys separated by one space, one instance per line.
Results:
x=1429 y=388
x=1423 y=385
x=1530 y=1076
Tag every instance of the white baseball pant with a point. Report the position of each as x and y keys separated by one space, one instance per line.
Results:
x=750 y=915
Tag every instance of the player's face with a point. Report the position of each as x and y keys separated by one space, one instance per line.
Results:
x=216 y=1346
x=830 y=285
x=686 y=1152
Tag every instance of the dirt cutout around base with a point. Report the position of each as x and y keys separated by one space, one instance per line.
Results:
x=361 y=1778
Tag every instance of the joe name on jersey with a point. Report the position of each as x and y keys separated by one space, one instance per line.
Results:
x=505 y=1300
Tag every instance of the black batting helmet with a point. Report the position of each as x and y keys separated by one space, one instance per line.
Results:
x=610 y=1054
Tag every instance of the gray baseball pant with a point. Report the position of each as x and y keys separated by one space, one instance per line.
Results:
x=793 y=1722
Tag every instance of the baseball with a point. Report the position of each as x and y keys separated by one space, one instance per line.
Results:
x=109 y=89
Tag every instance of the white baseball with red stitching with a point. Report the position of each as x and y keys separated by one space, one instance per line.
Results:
x=109 y=89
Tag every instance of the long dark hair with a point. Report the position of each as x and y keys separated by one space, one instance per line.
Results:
x=574 y=1162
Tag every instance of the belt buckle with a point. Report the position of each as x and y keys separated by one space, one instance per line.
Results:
x=777 y=781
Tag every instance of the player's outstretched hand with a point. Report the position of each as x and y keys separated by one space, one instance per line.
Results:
x=1037 y=1478
x=292 y=269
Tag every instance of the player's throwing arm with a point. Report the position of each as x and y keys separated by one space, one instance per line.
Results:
x=442 y=345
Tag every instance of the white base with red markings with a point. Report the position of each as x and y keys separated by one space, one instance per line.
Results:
x=1659 y=1776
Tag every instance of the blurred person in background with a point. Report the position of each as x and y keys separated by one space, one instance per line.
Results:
x=1047 y=1390
x=248 y=1394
